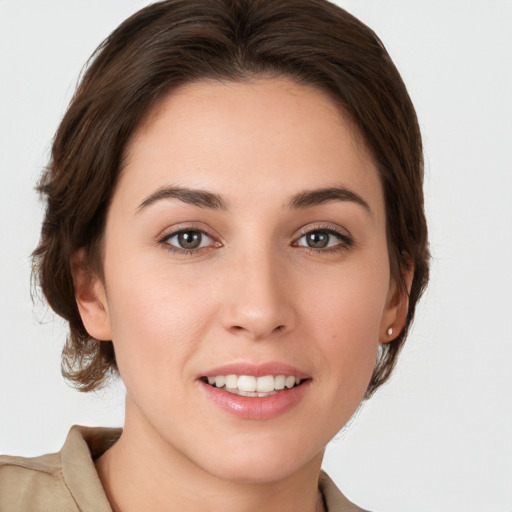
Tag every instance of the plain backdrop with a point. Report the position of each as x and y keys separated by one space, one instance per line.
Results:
x=439 y=435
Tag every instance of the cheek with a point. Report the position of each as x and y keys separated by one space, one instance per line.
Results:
x=348 y=312
x=156 y=319
x=352 y=299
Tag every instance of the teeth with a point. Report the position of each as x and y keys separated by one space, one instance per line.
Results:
x=245 y=383
x=249 y=385
x=290 y=382
x=265 y=384
x=231 y=381
x=280 y=382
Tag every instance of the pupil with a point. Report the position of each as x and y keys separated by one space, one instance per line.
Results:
x=189 y=239
x=318 y=240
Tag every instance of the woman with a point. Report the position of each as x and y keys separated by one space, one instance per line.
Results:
x=234 y=224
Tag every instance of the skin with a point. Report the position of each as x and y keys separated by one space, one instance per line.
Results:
x=254 y=292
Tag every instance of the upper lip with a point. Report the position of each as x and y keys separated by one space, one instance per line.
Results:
x=257 y=370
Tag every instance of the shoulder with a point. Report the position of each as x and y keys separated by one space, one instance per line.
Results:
x=33 y=484
x=66 y=480
x=334 y=499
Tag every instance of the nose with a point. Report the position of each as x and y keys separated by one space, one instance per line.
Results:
x=258 y=297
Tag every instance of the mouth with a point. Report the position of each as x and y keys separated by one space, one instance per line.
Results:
x=256 y=391
x=254 y=386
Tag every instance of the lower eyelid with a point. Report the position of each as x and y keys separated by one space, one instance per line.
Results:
x=344 y=240
x=212 y=242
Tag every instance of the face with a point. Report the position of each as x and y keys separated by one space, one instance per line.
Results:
x=245 y=250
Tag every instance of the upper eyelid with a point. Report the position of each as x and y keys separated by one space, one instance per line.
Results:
x=187 y=226
x=345 y=238
x=308 y=228
x=175 y=233
x=343 y=233
x=163 y=240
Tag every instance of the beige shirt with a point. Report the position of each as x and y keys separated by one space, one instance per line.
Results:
x=68 y=482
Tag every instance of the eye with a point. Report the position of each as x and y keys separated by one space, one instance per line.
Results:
x=188 y=239
x=323 y=239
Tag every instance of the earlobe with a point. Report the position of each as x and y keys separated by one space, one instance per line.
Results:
x=397 y=307
x=91 y=298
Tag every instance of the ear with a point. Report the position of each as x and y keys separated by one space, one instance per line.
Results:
x=90 y=297
x=397 y=306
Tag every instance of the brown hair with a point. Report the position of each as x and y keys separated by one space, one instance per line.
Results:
x=174 y=42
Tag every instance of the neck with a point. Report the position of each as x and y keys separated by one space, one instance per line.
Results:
x=143 y=472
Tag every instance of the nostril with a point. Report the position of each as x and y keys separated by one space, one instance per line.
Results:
x=241 y=328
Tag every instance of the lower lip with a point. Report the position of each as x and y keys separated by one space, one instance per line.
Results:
x=256 y=408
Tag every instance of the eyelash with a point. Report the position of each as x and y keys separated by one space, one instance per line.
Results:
x=345 y=241
x=164 y=241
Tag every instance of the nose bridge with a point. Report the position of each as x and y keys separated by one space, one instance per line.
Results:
x=258 y=294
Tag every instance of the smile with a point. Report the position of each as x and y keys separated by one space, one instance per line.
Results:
x=256 y=391
x=252 y=386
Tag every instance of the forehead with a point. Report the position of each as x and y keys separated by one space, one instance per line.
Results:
x=239 y=136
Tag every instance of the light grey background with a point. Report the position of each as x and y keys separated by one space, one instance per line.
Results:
x=439 y=435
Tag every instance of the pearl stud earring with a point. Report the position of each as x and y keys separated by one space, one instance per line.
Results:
x=389 y=331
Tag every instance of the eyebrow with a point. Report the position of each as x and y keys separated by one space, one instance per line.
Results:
x=201 y=198
x=316 y=197
x=210 y=200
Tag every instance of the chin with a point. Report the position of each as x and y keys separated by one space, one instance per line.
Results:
x=257 y=462
x=253 y=472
